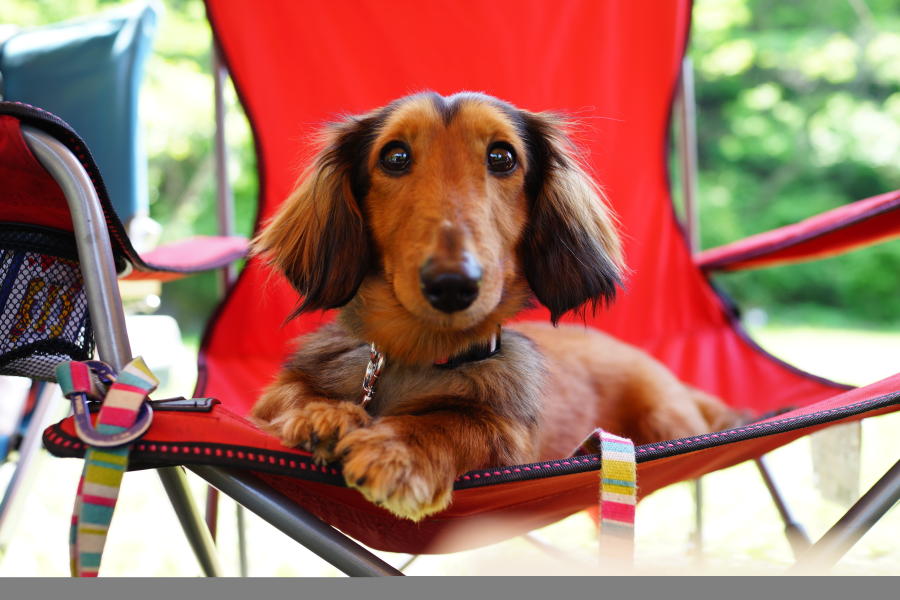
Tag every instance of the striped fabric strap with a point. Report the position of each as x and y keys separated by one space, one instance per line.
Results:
x=618 y=497
x=98 y=488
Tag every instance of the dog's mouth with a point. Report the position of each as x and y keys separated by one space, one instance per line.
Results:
x=465 y=298
x=408 y=328
x=494 y=305
x=441 y=320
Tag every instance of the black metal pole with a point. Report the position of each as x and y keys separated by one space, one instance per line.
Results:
x=793 y=530
x=853 y=525
x=175 y=482
x=243 y=568
x=295 y=522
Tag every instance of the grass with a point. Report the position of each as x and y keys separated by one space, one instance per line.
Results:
x=742 y=531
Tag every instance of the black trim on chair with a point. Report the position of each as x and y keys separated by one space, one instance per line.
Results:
x=150 y=453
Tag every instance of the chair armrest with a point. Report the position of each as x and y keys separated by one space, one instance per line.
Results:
x=185 y=257
x=836 y=231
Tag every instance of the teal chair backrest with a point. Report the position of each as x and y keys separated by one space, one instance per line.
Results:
x=88 y=72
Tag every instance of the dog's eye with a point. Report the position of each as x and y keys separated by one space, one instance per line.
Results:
x=395 y=157
x=501 y=158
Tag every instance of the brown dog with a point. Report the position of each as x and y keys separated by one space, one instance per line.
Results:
x=432 y=221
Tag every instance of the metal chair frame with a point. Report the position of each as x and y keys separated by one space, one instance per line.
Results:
x=108 y=318
x=883 y=494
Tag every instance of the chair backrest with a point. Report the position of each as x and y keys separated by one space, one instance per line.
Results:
x=44 y=316
x=88 y=72
x=613 y=65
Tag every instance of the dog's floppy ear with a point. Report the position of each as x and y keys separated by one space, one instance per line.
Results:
x=570 y=249
x=318 y=237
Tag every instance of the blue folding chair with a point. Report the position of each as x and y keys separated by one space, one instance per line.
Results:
x=88 y=72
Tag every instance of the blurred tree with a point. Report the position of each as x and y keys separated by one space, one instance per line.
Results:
x=799 y=112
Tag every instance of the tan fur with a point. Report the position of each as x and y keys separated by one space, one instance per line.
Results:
x=356 y=236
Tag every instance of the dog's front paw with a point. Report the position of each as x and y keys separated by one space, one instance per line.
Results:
x=319 y=426
x=394 y=475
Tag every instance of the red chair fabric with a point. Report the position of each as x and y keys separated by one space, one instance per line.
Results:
x=513 y=499
x=614 y=65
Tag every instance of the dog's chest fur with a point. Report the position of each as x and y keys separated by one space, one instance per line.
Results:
x=333 y=363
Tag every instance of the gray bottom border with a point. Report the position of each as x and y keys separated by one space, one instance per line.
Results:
x=454 y=588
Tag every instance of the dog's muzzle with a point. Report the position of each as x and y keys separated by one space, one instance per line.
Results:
x=451 y=286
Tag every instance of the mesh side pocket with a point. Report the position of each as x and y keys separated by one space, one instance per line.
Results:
x=44 y=316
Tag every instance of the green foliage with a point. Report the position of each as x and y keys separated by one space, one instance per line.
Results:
x=177 y=114
x=798 y=113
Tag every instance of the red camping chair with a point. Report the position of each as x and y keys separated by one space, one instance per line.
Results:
x=55 y=216
x=614 y=65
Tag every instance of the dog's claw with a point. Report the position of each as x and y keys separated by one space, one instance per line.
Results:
x=393 y=474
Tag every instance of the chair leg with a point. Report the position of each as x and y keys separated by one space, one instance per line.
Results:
x=175 y=482
x=697 y=534
x=48 y=407
x=793 y=529
x=212 y=523
x=409 y=561
x=242 y=541
x=853 y=525
x=212 y=511
x=297 y=523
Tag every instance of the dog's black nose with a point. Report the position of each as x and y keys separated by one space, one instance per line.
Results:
x=451 y=287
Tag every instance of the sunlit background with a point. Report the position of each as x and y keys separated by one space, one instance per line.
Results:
x=798 y=112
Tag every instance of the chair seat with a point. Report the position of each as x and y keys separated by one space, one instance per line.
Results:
x=518 y=498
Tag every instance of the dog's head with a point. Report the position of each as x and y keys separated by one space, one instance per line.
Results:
x=445 y=214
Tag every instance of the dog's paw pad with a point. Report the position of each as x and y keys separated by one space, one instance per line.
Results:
x=392 y=475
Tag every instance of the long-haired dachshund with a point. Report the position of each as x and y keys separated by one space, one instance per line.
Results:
x=431 y=222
